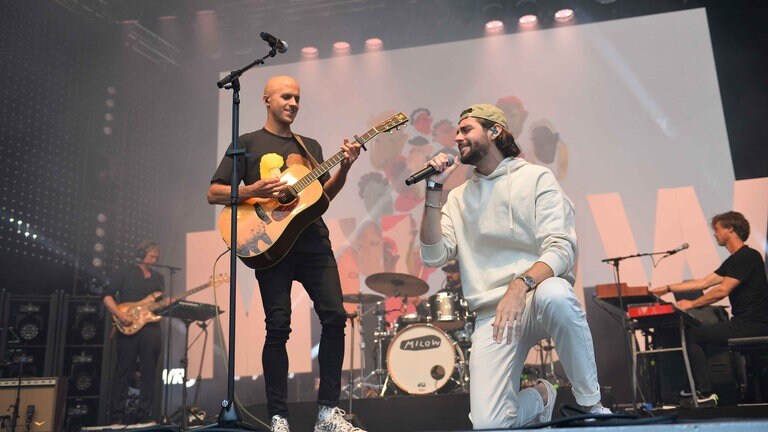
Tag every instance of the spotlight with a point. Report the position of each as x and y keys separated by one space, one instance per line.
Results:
x=494 y=26
x=564 y=15
x=529 y=11
x=528 y=20
x=341 y=47
x=373 y=43
x=309 y=52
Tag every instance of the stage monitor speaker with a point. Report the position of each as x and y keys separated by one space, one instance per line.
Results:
x=45 y=394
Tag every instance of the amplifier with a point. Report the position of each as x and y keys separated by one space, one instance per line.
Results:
x=46 y=395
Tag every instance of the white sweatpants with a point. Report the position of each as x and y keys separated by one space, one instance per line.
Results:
x=552 y=310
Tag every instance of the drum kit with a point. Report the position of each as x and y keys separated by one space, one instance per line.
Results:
x=421 y=353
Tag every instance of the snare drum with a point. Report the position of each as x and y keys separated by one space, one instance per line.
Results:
x=421 y=359
x=447 y=311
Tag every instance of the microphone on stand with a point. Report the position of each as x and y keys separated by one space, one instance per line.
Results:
x=274 y=42
x=424 y=173
x=682 y=247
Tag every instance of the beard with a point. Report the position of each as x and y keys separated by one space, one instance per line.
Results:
x=474 y=155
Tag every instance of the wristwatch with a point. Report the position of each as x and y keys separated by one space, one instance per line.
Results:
x=528 y=281
x=433 y=185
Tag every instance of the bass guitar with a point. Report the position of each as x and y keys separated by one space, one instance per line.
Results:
x=145 y=310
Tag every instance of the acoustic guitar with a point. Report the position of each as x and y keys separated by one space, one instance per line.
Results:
x=145 y=310
x=268 y=227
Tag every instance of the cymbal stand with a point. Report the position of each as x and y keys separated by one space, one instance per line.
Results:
x=547 y=360
x=379 y=334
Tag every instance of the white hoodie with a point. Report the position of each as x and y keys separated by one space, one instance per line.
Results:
x=498 y=225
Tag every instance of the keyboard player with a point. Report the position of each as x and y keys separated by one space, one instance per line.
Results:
x=741 y=278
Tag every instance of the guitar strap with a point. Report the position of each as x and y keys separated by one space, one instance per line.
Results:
x=312 y=160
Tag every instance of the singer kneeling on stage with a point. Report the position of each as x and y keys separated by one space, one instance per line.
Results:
x=512 y=229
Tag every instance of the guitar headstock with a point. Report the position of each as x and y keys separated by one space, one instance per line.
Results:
x=392 y=123
x=219 y=278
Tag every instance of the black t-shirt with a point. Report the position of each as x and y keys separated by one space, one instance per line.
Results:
x=268 y=153
x=749 y=300
x=131 y=285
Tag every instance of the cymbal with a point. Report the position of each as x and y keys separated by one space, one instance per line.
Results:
x=361 y=298
x=396 y=284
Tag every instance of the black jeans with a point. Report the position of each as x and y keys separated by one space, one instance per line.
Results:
x=144 y=346
x=715 y=336
x=319 y=275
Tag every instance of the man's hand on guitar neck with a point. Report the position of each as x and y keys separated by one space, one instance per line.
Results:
x=351 y=151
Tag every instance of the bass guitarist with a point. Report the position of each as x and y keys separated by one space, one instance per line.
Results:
x=133 y=283
x=310 y=261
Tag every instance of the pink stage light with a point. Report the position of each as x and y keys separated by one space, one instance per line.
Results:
x=309 y=52
x=527 y=20
x=373 y=43
x=564 y=15
x=341 y=47
x=494 y=26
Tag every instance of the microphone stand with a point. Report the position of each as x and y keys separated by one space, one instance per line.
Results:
x=229 y=416
x=626 y=326
x=166 y=395
x=17 y=403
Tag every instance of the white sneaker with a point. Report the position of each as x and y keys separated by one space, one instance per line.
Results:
x=332 y=420
x=546 y=415
x=280 y=424
x=141 y=425
x=599 y=409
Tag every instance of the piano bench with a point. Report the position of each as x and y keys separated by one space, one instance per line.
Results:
x=752 y=367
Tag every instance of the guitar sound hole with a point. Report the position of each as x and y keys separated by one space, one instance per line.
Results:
x=286 y=196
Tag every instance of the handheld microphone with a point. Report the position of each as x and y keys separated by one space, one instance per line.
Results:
x=682 y=247
x=424 y=173
x=274 y=42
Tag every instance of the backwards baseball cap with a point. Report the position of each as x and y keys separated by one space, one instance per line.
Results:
x=485 y=111
x=451 y=266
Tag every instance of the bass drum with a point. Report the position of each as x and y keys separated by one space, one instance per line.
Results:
x=422 y=359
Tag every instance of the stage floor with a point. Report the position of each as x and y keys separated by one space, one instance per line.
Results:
x=448 y=413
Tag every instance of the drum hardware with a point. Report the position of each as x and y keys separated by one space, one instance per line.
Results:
x=361 y=382
x=396 y=284
x=361 y=298
x=547 y=366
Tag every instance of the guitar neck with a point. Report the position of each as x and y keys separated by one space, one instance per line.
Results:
x=159 y=305
x=330 y=163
